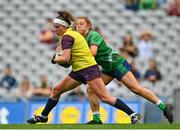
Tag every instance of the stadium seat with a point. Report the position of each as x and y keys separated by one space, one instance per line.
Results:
x=25 y=25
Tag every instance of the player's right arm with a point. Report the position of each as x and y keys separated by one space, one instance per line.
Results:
x=67 y=43
x=64 y=58
x=94 y=42
x=94 y=49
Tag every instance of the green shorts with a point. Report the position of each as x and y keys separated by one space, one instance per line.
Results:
x=119 y=71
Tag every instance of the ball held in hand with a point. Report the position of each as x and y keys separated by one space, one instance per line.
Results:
x=66 y=65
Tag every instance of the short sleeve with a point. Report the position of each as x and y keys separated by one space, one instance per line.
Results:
x=95 y=39
x=67 y=42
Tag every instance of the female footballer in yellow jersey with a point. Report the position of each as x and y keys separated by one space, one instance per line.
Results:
x=84 y=67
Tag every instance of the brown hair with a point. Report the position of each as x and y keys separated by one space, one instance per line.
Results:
x=131 y=42
x=66 y=16
x=87 y=20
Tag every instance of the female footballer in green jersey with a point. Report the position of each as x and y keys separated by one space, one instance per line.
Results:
x=114 y=66
x=84 y=68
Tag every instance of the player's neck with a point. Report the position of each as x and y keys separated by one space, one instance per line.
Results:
x=86 y=33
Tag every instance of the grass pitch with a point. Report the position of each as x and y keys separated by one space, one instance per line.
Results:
x=175 y=126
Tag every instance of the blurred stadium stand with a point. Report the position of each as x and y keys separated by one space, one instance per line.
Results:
x=22 y=21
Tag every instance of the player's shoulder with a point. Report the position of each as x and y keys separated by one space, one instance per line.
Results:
x=71 y=32
x=93 y=33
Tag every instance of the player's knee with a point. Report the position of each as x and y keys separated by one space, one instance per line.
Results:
x=136 y=90
x=105 y=98
x=89 y=91
x=55 y=93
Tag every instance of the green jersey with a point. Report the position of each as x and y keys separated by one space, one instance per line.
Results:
x=106 y=57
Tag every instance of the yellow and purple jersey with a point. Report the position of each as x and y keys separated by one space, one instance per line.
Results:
x=81 y=56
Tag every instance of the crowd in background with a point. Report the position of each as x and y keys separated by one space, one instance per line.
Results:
x=24 y=90
x=11 y=88
x=143 y=50
x=173 y=7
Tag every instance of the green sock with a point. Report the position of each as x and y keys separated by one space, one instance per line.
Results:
x=162 y=106
x=96 y=117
